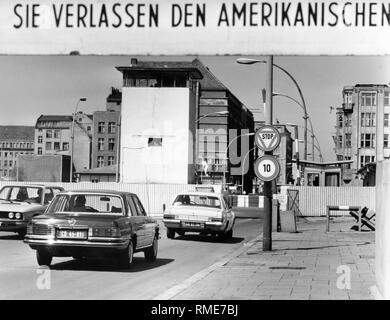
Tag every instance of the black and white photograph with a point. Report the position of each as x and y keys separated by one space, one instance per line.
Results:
x=205 y=151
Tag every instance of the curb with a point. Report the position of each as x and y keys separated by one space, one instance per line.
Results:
x=175 y=290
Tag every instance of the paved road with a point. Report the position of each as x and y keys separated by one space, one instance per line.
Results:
x=178 y=259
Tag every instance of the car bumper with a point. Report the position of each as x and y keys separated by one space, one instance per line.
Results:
x=12 y=225
x=204 y=225
x=92 y=242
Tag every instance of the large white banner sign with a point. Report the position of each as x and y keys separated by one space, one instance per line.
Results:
x=194 y=27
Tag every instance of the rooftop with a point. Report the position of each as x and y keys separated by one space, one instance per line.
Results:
x=54 y=118
x=17 y=133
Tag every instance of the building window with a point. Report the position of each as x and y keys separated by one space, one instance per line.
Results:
x=386 y=119
x=368 y=99
x=111 y=144
x=49 y=134
x=348 y=97
x=340 y=142
x=367 y=119
x=340 y=120
x=154 y=142
x=56 y=146
x=101 y=127
x=5 y=163
x=57 y=134
x=367 y=140
x=65 y=146
x=386 y=140
x=39 y=150
x=101 y=144
x=111 y=127
x=386 y=101
x=100 y=161
x=48 y=145
x=111 y=160
x=348 y=140
x=88 y=128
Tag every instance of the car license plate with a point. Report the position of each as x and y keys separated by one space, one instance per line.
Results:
x=196 y=225
x=72 y=234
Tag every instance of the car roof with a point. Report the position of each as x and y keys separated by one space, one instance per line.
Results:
x=201 y=193
x=35 y=185
x=91 y=191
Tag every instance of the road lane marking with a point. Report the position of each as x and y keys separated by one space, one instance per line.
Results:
x=175 y=290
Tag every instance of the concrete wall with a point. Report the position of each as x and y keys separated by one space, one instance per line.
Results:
x=382 y=234
x=164 y=113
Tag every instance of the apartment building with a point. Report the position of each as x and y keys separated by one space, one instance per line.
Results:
x=53 y=135
x=362 y=128
x=14 y=141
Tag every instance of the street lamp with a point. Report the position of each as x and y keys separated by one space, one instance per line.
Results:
x=252 y=61
x=296 y=140
x=72 y=139
x=212 y=113
x=313 y=143
x=267 y=223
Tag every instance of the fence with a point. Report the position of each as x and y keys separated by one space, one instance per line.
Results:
x=313 y=200
x=153 y=196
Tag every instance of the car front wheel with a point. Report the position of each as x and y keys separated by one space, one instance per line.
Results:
x=44 y=258
x=170 y=233
x=151 y=252
x=229 y=234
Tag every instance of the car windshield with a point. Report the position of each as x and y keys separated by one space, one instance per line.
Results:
x=21 y=194
x=197 y=200
x=88 y=203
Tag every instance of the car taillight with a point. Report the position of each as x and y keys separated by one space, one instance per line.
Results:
x=104 y=232
x=30 y=228
x=216 y=219
x=169 y=216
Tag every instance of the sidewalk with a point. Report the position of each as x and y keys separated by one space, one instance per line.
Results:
x=301 y=266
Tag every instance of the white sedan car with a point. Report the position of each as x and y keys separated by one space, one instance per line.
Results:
x=202 y=212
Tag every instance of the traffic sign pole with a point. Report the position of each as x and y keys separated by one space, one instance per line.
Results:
x=267 y=224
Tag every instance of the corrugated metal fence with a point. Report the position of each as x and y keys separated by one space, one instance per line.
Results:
x=313 y=200
x=153 y=196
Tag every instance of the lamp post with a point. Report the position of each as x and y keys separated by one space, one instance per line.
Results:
x=223 y=112
x=267 y=224
x=296 y=140
x=313 y=143
x=72 y=138
x=252 y=61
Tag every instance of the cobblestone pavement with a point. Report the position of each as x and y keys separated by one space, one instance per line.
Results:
x=307 y=265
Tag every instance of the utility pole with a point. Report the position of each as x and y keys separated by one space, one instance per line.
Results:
x=267 y=225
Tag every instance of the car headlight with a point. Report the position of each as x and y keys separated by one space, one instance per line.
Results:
x=18 y=215
x=11 y=215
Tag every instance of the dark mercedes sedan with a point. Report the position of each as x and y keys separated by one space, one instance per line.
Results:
x=93 y=224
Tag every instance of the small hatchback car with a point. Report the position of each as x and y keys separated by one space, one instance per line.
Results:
x=19 y=203
x=201 y=212
x=93 y=223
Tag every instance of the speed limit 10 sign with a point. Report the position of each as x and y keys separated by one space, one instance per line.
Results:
x=267 y=138
x=267 y=168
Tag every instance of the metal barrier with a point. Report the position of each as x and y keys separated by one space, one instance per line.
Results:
x=342 y=208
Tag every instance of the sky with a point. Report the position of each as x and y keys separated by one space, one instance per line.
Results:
x=35 y=85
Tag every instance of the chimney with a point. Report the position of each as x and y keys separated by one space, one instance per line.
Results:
x=133 y=62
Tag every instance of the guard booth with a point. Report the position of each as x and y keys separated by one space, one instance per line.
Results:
x=322 y=174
